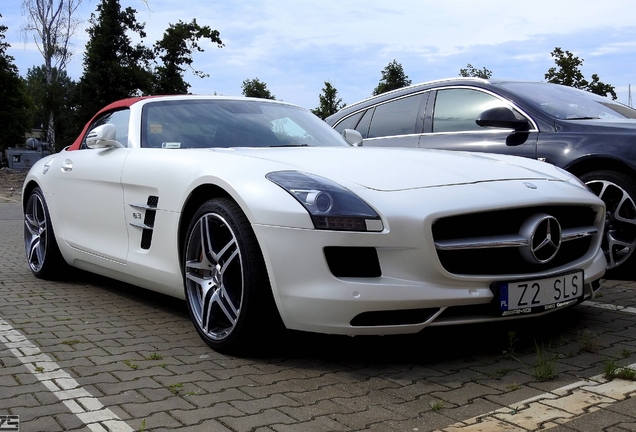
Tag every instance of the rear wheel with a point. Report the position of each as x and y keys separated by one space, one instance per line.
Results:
x=42 y=253
x=226 y=286
x=618 y=192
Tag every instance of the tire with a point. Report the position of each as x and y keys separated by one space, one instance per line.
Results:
x=227 y=290
x=42 y=252
x=618 y=191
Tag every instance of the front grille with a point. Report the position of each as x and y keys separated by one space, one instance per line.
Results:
x=491 y=243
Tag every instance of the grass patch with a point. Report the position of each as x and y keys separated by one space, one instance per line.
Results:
x=71 y=342
x=130 y=364
x=543 y=370
x=588 y=342
x=509 y=352
x=175 y=388
x=39 y=369
x=513 y=387
x=612 y=370
x=436 y=405
x=154 y=356
x=499 y=373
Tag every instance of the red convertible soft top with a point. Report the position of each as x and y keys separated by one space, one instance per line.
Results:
x=124 y=103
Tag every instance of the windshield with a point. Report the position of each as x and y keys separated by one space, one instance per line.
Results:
x=197 y=123
x=569 y=103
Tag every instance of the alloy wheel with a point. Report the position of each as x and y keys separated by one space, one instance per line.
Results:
x=214 y=276
x=620 y=224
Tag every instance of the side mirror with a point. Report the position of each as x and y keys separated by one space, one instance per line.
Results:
x=353 y=137
x=103 y=136
x=502 y=117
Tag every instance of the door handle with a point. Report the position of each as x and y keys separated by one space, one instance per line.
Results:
x=67 y=165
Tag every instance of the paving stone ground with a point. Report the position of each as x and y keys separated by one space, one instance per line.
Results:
x=89 y=353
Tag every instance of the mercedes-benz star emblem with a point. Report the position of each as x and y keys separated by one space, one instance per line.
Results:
x=543 y=233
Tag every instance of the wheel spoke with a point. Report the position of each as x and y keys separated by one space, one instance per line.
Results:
x=214 y=279
x=35 y=230
x=625 y=207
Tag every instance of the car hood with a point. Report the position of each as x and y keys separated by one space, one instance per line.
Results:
x=626 y=126
x=401 y=169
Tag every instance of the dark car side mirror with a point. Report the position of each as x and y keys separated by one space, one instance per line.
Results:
x=501 y=117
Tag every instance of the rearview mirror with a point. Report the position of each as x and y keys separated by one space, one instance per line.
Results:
x=103 y=136
x=353 y=137
x=502 y=117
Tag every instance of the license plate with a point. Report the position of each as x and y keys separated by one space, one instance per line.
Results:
x=522 y=297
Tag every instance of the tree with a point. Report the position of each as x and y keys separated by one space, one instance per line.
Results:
x=56 y=99
x=330 y=103
x=393 y=77
x=114 y=68
x=568 y=73
x=52 y=24
x=471 y=71
x=14 y=109
x=175 y=51
x=256 y=88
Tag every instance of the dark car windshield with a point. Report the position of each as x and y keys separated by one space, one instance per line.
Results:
x=569 y=103
x=197 y=123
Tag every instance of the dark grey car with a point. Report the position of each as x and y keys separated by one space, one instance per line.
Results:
x=591 y=136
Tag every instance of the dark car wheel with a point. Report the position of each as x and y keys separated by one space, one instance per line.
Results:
x=42 y=253
x=226 y=285
x=618 y=191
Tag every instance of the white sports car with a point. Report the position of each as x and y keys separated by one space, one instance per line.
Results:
x=257 y=212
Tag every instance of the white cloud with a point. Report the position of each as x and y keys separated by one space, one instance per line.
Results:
x=294 y=46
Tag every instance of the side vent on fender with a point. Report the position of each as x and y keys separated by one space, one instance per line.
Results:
x=149 y=220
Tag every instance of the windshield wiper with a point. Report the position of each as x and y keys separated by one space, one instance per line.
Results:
x=582 y=118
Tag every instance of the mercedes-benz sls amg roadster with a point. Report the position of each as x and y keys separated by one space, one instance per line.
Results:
x=258 y=213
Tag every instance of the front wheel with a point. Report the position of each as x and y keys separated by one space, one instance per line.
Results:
x=618 y=192
x=226 y=285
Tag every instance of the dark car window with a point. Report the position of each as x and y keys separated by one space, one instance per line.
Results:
x=457 y=109
x=399 y=117
x=569 y=103
x=349 y=123
x=118 y=118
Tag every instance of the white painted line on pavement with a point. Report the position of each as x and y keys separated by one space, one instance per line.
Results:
x=551 y=409
x=609 y=306
x=81 y=403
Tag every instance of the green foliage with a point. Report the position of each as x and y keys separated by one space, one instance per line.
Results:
x=55 y=98
x=393 y=77
x=612 y=370
x=175 y=51
x=330 y=103
x=567 y=73
x=114 y=68
x=256 y=88
x=15 y=116
x=543 y=370
x=471 y=71
x=52 y=24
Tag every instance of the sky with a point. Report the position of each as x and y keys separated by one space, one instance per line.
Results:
x=294 y=46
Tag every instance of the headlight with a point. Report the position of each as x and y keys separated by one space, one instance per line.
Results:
x=331 y=206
